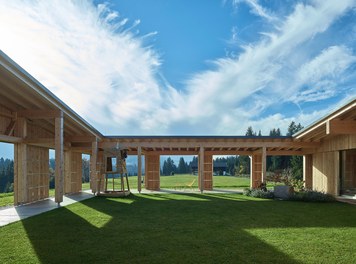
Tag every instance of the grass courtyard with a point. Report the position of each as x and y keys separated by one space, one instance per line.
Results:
x=184 y=228
x=178 y=181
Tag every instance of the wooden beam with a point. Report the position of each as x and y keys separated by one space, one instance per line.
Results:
x=80 y=139
x=288 y=152
x=229 y=152
x=139 y=169
x=59 y=156
x=40 y=114
x=340 y=127
x=242 y=144
x=40 y=141
x=170 y=152
x=9 y=115
x=10 y=139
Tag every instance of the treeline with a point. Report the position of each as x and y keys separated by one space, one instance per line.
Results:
x=6 y=175
x=240 y=165
x=169 y=168
x=275 y=163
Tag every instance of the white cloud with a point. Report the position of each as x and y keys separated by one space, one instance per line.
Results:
x=87 y=56
x=270 y=72
x=256 y=9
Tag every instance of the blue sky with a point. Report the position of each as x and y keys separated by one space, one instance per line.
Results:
x=159 y=67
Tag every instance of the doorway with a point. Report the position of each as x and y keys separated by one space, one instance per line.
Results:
x=348 y=172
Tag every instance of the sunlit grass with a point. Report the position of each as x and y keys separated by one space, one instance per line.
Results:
x=181 y=181
x=6 y=199
x=174 y=228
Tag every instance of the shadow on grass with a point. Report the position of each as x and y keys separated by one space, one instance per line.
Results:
x=173 y=228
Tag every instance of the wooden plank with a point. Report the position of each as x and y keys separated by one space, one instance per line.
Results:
x=59 y=156
x=201 y=169
x=40 y=114
x=93 y=160
x=10 y=139
x=264 y=165
x=152 y=172
x=139 y=169
x=335 y=127
x=67 y=172
x=208 y=172
x=308 y=171
x=188 y=144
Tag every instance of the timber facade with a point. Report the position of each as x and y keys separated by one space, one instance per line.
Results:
x=35 y=121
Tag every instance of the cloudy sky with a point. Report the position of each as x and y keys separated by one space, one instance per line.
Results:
x=158 y=67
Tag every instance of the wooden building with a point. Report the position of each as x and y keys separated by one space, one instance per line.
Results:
x=35 y=120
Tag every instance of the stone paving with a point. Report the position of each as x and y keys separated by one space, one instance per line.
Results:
x=15 y=213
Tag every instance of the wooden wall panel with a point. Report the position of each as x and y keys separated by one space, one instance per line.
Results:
x=4 y=120
x=72 y=172
x=256 y=170
x=37 y=165
x=326 y=172
x=340 y=142
x=100 y=167
x=152 y=172
x=208 y=172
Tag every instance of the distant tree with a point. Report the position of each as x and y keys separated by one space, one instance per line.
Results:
x=274 y=162
x=275 y=132
x=182 y=166
x=6 y=175
x=244 y=162
x=169 y=167
x=85 y=170
x=250 y=132
x=294 y=128
x=296 y=162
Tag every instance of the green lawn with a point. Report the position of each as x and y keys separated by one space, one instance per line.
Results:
x=184 y=228
x=180 y=180
x=6 y=199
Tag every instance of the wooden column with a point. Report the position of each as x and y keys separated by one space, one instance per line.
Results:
x=256 y=170
x=251 y=174
x=59 y=171
x=152 y=179
x=308 y=171
x=100 y=171
x=139 y=169
x=20 y=164
x=208 y=172
x=93 y=160
x=201 y=169
x=264 y=165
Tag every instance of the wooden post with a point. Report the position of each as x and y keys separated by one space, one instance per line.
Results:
x=201 y=169
x=93 y=160
x=264 y=165
x=59 y=172
x=256 y=170
x=308 y=171
x=139 y=169
x=20 y=165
